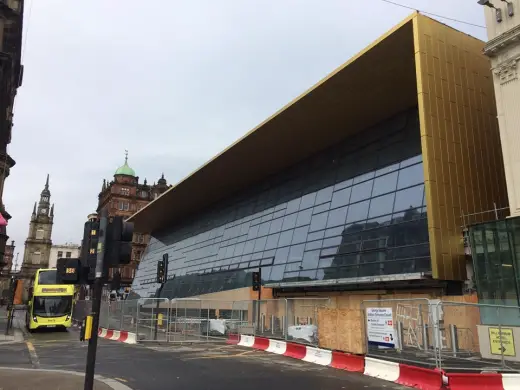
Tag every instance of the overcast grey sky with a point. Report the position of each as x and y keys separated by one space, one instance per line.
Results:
x=174 y=82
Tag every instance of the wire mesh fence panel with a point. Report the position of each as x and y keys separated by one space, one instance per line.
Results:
x=301 y=319
x=186 y=317
x=129 y=310
x=104 y=311
x=478 y=336
x=216 y=319
x=403 y=329
x=270 y=317
x=152 y=319
x=242 y=321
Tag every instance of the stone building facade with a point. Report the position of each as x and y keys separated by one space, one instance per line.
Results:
x=67 y=250
x=38 y=243
x=11 y=71
x=503 y=49
x=123 y=196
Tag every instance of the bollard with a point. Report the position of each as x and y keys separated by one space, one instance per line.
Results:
x=454 y=339
x=283 y=325
x=272 y=324
x=262 y=320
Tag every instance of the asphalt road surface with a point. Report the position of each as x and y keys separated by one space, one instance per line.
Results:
x=190 y=367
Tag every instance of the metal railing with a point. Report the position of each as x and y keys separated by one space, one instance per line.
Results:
x=443 y=334
x=203 y=320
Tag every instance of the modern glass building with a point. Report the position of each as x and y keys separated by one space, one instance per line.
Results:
x=358 y=184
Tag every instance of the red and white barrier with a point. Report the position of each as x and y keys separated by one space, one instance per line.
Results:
x=118 y=335
x=420 y=378
x=488 y=381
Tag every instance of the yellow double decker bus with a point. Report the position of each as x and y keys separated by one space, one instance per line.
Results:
x=50 y=304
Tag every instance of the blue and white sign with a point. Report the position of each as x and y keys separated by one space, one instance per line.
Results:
x=380 y=327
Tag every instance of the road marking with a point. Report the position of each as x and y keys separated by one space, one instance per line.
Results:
x=242 y=354
x=122 y=380
x=33 y=355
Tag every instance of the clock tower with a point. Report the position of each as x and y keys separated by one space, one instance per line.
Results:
x=38 y=244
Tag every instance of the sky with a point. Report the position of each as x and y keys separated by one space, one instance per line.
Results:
x=173 y=82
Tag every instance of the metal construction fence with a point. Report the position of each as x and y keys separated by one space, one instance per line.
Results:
x=196 y=320
x=443 y=334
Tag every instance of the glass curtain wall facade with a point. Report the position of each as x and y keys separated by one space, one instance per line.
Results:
x=495 y=248
x=356 y=209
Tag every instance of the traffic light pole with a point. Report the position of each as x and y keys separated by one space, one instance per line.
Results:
x=258 y=303
x=96 y=304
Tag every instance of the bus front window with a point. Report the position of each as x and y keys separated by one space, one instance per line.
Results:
x=52 y=306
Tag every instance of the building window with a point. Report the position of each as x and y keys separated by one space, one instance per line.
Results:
x=68 y=255
x=144 y=194
x=156 y=195
x=139 y=238
x=39 y=234
x=124 y=206
x=125 y=191
x=60 y=254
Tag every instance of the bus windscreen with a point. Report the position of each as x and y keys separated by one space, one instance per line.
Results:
x=52 y=306
x=48 y=277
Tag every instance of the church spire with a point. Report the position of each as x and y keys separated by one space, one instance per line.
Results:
x=52 y=210
x=34 y=209
x=47 y=183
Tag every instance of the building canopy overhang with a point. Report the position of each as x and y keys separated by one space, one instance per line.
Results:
x=375 y=84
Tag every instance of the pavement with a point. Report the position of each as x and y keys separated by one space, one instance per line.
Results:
x=152 y=366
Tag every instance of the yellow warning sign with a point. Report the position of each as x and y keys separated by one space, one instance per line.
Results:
x=502 y=341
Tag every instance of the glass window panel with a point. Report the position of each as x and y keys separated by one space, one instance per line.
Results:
x=276 y=225
x=340 y=198
x=364 y=177
x=411 y=161
x=319 y=221
x=332 y=241
x=267 y=261
x=381 y=205
x=325 y=262
x=315 y=235
x=260 y=244
x=293 y=267
x=289 y=221
x=313 y=245
x=272 y=241
x=300 y=235
x=253 y=232
x=269 y=253
x=385 y=184
x=336 y=231
x=243 y=259
x=277 y=273
x=296 y=252
x=343 y=184
x=254 y=263
x=321 y=208
x=324 y=195
x=361 y=191
x=229 y=250
x=387 y=169
x=264 y=229
x=281 y=255
x=307 y=275
x=337 y=217
x=286 y=238
x=410 y=176
x=290 y=276
x=293 y=206
x=357 y=211
x=308 y=201
x=248 y=248
x=304 y=217
x=409 y=198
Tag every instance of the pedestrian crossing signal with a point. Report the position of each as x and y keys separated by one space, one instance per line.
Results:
x=257 y=281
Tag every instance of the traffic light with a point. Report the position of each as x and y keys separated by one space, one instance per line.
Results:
x=118 y=242
x=116 y=281
x=68 y=271
x=161 y=271
x=93 y=236
x=257 y=280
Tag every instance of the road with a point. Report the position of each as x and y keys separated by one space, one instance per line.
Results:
x=193 y=367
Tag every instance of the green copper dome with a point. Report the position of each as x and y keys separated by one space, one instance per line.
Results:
x=125 y=168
